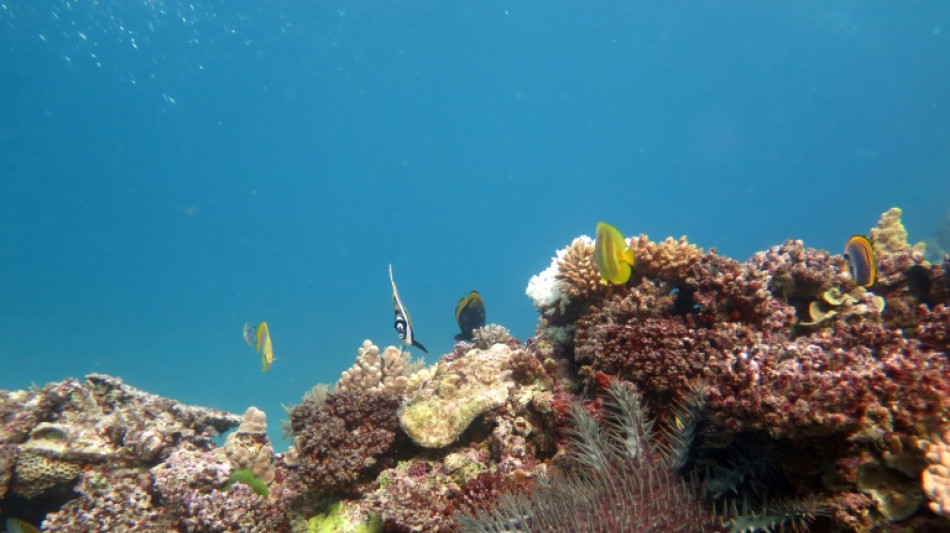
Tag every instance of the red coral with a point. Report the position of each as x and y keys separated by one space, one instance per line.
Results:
x=825 y=383
x=340 y=440
x=661 y=355
x=758 y=377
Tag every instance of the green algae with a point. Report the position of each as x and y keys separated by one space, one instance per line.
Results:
x=249 y=479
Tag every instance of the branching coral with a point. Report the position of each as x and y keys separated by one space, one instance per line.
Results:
x=340 y=441
x=416 y=497
x=578 y=274
x=669 y=260
x=548 y=291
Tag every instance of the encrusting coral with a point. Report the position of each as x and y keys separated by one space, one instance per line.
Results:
x=454 y=393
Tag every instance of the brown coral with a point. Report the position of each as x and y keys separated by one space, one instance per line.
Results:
x=578 y=274
x=340 y=441
x=669 y=260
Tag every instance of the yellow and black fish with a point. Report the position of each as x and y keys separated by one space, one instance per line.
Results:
x=613 y=258
x=15 y=525
x=259 y=339
x=470 y=315
x=861 y=262
x=402 y=322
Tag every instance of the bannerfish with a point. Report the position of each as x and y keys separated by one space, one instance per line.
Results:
x=15 y=525
x=470 y=315
x=613 y=258
x=259 y=339
x=402 y=322
x=861 y=263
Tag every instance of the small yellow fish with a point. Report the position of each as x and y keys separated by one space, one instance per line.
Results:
x=15 y=525
x=861 y=262
x=259 y=338
x=613 y=258
x=470 y=315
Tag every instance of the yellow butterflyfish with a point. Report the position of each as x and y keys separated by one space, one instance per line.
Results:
x=613 y=258
x=259 y=338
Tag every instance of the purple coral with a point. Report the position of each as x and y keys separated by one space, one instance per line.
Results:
x=340 y=440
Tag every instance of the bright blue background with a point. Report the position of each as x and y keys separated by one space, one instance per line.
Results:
x=172 y=169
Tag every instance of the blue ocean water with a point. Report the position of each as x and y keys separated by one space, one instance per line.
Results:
x=171 y=169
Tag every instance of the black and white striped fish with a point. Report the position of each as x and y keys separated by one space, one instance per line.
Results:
x=402 y=322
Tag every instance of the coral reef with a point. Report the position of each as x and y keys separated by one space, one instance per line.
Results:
x=788 y=398
x=895 y=255
x=786 y=348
